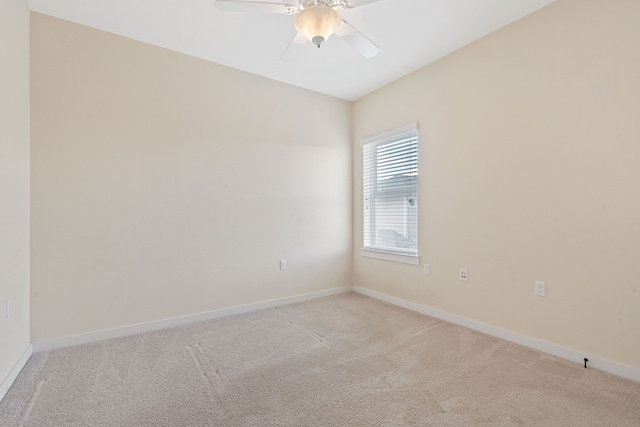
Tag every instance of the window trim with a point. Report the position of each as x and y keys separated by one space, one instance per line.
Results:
x=390 y=256
x=413 y=259
x=381 y=137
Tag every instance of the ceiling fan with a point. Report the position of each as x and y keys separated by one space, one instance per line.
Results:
x=315 y=21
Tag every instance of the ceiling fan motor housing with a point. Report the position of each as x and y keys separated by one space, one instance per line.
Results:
x=329 y=3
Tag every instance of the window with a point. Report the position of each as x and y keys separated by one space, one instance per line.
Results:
x=390 y=203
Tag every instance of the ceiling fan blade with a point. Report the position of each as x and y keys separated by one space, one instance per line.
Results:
x=357 y=40
x=357 y=3
x=254 y=6
x=294 y=47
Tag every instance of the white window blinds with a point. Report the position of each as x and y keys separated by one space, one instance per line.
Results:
x=390 y=183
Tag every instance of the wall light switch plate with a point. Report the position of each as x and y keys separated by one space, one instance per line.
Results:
x=283 y=264
x=427 y=269
x=8 y=309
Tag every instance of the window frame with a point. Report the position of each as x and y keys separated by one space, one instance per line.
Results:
x=373 y=252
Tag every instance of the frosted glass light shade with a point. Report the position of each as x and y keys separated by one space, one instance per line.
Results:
x=318 y=23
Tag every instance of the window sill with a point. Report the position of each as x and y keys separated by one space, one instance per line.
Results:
x=391 y=256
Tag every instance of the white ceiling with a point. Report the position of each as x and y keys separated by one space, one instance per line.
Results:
x=410 y=34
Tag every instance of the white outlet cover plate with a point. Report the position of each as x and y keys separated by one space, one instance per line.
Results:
x=540 y=289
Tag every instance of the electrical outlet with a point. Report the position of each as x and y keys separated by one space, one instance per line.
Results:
x=540 y=289
x=8 y=309
x=283 y=264
x=464 y=275
x=427 y=269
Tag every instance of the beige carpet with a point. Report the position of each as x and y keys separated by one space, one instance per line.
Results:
x=346 y=360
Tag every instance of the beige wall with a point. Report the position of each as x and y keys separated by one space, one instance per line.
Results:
x=14 y=181
x=529 y=150
x=163 y=185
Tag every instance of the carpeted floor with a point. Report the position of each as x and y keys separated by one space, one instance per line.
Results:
x=346 y=360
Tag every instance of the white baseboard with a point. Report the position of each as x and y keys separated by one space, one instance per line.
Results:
x=8 y=382
x=178 y=321
x=524 y=340
x=595 y=362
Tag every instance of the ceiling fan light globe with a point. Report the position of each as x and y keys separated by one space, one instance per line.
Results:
x=318 y=23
